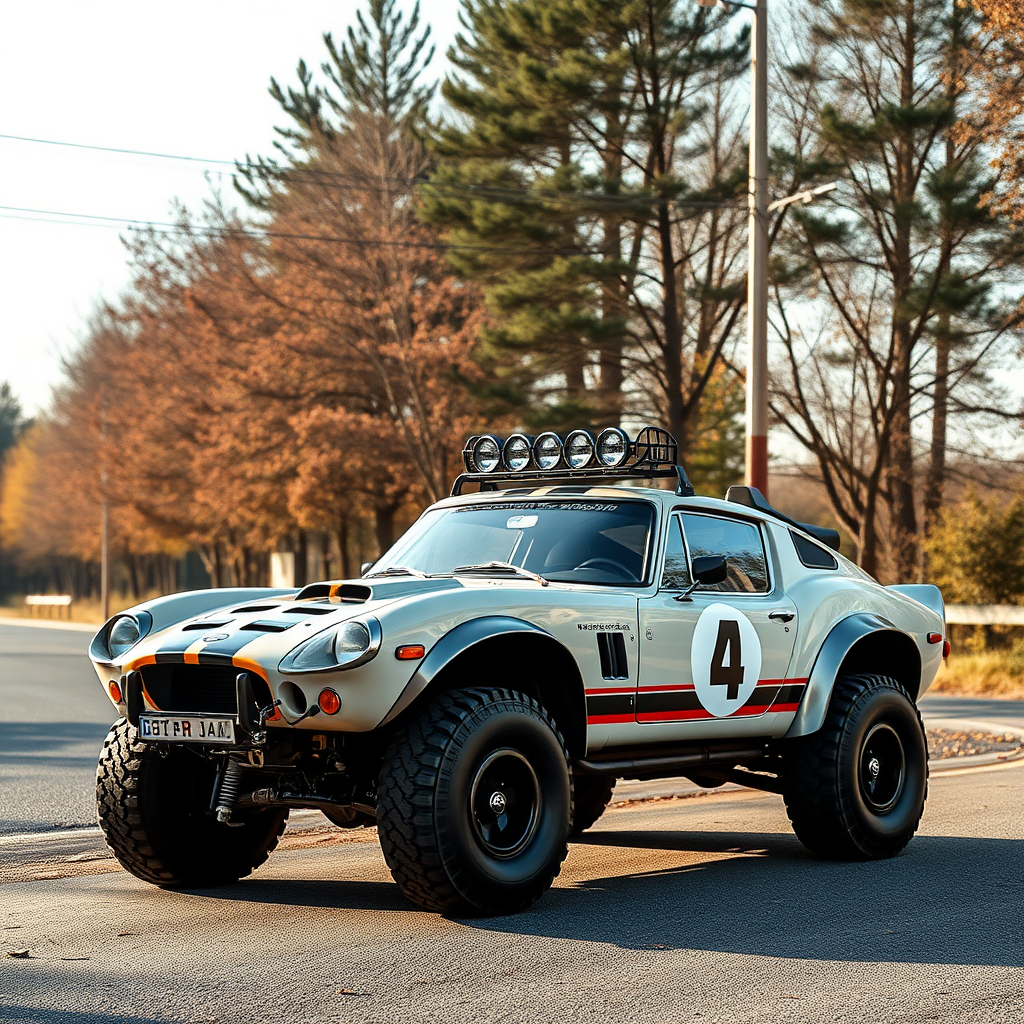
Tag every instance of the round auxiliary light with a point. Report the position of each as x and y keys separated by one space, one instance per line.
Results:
x=329 y=701
x=516 y=452
x=547 y=451
x=486 y=453
x=612 y=447
x=579 y=449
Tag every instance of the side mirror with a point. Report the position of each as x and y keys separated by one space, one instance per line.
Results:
x=710 y=569
x=365 y=568
x=707 y=571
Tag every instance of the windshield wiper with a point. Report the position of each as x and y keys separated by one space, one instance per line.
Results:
x=399 y=570
x=499 y=569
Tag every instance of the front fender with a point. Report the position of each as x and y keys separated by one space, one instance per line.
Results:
x=454 y=643
x=162 y=612
x=841 y=640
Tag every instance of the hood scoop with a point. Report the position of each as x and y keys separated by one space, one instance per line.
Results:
x=384 y=589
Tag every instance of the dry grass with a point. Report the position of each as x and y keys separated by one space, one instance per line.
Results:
x=989 y=674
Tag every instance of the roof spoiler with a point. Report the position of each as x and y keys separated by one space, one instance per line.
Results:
x=753 y=498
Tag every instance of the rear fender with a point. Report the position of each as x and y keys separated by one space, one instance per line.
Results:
x=860 y=643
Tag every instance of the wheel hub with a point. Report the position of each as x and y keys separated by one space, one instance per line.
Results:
x=505 y=803
x=882 y=768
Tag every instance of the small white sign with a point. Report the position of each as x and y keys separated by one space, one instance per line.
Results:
x=725 y=659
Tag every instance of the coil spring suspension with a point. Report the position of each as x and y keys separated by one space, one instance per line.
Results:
x=230 y=784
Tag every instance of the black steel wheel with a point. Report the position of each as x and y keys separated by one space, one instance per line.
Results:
x=153 y=808
x=591 y=796
x=857 y=787
x=474 y=803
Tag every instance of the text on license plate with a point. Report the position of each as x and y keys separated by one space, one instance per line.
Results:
x=186 y=729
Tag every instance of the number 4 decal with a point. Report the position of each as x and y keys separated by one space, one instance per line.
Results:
x=728 y=646
x=725 y=659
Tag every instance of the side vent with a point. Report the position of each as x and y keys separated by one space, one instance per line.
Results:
x=612 y=648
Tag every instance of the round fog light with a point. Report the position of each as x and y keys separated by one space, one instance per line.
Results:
x=486 y=454
x=579 y=449
x=329 y=701
x=547 y=451
x=517 y=452
x=612 y=447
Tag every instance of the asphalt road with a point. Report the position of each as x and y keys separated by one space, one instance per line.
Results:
x=700 y=909
x=685 y=910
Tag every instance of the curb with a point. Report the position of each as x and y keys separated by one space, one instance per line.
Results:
x=75 y=627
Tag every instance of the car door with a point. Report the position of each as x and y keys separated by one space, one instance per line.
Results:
x=713 y=663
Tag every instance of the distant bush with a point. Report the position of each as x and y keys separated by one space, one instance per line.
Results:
x=976 y=551
x=976 y=556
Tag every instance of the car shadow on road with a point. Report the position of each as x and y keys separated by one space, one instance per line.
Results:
x=45 y=1015
x=944 y=900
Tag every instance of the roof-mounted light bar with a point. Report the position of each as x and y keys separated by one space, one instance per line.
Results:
x=578 y=455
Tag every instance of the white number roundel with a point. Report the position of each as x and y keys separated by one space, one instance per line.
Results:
x=725 y=659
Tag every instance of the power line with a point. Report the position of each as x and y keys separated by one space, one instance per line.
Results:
x=168 y=227
x=384 y=183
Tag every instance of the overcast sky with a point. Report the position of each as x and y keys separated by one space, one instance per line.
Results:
x=188 y=78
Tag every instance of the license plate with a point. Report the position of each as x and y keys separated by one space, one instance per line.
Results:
x=186 y=729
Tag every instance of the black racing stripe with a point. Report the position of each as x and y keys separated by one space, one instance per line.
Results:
x=221 y=650
x=176 y=646
x=609 y=704
x=687 y=700
x=762 y=696
x=670 y=700
x=170 y=658
x=791 y=693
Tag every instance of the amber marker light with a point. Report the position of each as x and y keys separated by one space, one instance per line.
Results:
x=115 y=692
x=329 y=701
x=411 y=652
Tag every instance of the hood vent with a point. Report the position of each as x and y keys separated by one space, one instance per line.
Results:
x=348 y=593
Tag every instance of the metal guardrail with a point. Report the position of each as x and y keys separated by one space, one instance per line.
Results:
x=58 y=601
x=985 y=614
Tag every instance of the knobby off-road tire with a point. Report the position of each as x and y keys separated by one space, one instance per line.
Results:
x=153 y=810
x=856 y=788
x=591 y=796
x=449 y=777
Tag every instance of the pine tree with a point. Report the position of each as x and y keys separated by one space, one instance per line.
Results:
x=905 y=264
x=590 y=136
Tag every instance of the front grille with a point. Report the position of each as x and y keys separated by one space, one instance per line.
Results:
x=203 y=689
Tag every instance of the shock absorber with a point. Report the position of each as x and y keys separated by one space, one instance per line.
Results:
x=230 y=784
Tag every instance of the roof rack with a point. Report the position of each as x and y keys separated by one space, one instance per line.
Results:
x=519 y=458
x=753 y=498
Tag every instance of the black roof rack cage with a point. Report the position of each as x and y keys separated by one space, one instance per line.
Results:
x=652 y=455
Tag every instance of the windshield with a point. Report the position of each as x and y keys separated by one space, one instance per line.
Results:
x=570 y=542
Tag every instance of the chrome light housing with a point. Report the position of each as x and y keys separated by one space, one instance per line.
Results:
x=345 y=646
x=119 y=636
x=612 y=447
x=486 y=453
x=547 y=451
x=579 y=449
x=516 y=452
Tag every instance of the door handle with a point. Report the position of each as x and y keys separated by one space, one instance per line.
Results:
x=781 y=615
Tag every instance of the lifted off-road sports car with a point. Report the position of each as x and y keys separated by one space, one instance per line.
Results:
x=479 y=690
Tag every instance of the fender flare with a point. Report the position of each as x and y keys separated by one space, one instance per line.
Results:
x=456 y=642
x=810 y=716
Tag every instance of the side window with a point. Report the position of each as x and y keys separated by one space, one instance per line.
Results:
x=677 y=572
x=811 y=555
x=739 y=542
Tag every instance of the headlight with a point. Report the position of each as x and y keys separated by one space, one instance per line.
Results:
x=486 y=453
x=119 y=635
x=345 y=646
x=579 y=449
x=547 y=451
x=123 y=635
x=516 y=452
x=612 y=447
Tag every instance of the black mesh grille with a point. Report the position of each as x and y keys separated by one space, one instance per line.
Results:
x=206 y=689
